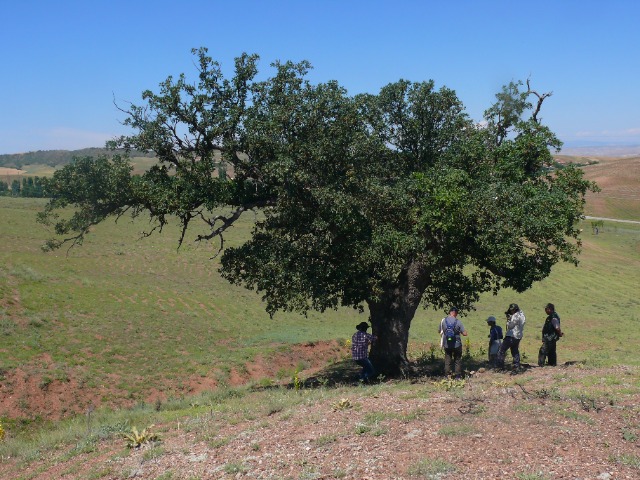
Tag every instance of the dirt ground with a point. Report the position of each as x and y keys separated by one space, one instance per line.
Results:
x=542 y=424
x=31 y=392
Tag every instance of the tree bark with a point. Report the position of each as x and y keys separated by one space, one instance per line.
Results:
x=391 y=317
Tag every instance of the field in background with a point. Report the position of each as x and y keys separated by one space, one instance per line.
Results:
x=619 y=180
x=123 y=320
x=8 y=175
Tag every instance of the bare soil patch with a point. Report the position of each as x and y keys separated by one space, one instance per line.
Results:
x=34 y=391
x=10 y=171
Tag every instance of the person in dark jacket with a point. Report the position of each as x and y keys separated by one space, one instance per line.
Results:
x=495 y=340
x=551 y=333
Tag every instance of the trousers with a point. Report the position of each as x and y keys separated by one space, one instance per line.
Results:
x=548 y=351
x=454 y=354
x=512 y=344
x=367 y=369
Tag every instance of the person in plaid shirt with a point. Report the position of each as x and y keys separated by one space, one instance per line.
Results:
x=360 y=342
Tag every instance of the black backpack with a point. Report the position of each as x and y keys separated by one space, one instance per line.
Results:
x=449 y=334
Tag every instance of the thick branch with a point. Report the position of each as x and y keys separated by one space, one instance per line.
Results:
x=227 y=221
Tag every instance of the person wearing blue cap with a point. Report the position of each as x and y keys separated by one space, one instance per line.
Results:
x=495 y=340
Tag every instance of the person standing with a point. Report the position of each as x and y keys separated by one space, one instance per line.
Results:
x=360 y=342
x=450 y=330
x=551 y=333
x=515 y=331
x=495 y=340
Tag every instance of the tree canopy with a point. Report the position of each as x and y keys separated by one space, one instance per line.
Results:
x=379 y=201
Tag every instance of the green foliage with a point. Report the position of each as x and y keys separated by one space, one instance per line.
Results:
x=342 y=404
x=31 y=186
x=363 y=199
x=298 y=383
x=450 y=384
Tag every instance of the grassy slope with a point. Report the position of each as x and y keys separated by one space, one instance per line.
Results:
x=139 y=315
x=132 y=311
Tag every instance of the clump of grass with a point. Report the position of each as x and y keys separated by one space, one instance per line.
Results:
x=234 y=468
x=342 y=404
x=219 y=442
x=430 y=468
x=165 y=476
x=153 y=453
x=375 y=417
x=449 y=384
x=428 y=356
x=323 y=440
x=7 y=326
x=297 y=381
x=629 y=460
x=455 y=430
x=339 y=473
x=362 y=428
x=412 y=415
x=629 y=435
x=531 y=476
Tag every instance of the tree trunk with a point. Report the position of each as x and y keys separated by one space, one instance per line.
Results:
x=391 y=317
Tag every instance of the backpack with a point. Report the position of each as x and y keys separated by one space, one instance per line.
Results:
x=449 y=334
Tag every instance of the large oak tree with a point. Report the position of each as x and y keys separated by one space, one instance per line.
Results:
x=380 y=202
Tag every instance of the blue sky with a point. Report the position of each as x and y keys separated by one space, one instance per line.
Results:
x=63 y=63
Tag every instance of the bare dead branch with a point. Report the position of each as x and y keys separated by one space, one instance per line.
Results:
x=541 y=99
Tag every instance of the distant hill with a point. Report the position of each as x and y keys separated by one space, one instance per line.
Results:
x=54 y=158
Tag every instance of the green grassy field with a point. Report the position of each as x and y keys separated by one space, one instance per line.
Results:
x=128 y=319
x=148 y=315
